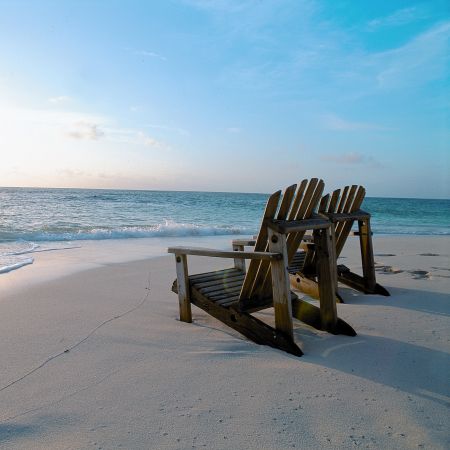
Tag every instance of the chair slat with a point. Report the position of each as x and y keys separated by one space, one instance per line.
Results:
x=306 y=208
x=298 y=199
x=324 y=202
x=224 y=296
x=309 y=203
x=347 y=226
x=258 y=288
x=339 y=227
x=219 y=281
x=222 y=288
x=207 y=276
x=324 y=207
x=260 y=245
x=333 y=201
x=228 y=301
x=343 y=199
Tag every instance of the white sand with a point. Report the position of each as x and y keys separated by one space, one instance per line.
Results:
x=95 y=359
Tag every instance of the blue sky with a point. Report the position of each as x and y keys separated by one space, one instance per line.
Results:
x=219 y=95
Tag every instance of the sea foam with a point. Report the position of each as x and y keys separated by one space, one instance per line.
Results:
x=168 y=228
x=15 y=266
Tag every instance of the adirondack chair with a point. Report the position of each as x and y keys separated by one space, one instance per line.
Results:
x=231 y=295
x=342 y=209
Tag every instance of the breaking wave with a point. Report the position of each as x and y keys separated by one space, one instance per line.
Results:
x=166 y=229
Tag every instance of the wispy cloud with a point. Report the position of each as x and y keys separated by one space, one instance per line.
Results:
x=233 y=130
x=150 y=141
x=52 y=119
x=59 y=99
x=134 y=137
x=85 y=130
x=149 y=54
x=76 y=126
x=249 y=20
x=178 y=130
x=397 y=18
x=351 y=158
x=422 y=59
x=222 y=6
x=323 y=58
x=334 y=122
x=71 y=173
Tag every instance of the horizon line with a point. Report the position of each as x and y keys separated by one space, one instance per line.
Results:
x=194 y=191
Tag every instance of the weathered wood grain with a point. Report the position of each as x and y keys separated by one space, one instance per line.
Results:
x=280 y=285
x=183 y=288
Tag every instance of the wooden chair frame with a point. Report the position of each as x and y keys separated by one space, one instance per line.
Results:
x=231 y=295
x=342 y=209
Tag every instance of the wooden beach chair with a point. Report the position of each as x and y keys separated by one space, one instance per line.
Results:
x=342 y=209
x=231 y=295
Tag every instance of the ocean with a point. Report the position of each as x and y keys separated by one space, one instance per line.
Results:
x=35 y=220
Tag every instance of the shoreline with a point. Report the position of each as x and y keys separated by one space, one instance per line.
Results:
x=90 y=254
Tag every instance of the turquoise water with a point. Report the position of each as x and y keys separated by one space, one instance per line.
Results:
x=39 y=219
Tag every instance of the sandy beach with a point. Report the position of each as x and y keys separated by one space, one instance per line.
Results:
x=94 y=357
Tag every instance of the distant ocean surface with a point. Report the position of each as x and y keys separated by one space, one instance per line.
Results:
x=33 y=220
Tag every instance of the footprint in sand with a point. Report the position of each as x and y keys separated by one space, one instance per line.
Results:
x=441 y=268
x=438 y=269
x=387 y=269
x=420 y=274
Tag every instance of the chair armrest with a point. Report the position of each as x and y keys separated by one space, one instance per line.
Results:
x=244 y=242
x=346 y=217
x=198 y=251
x=295 y=226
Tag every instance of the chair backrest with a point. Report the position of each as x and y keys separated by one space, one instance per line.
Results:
x=349 y=201
x=296 y=203
x=346 y=200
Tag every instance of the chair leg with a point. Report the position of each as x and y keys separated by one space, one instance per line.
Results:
x=280 y=284
x=251 y=327
x=311 y=315
x=327 y=277
x=183 y=288
x=368 y=263
x=239 y=263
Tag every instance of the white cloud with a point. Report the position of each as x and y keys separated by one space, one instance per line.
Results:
x=74 y=173
x=333 y=122
x=47 y=117
x=223 y=6
x=59 y=99
x=346 y=158
x=134 y=136
x=181 y=131
x=397 y=18
x=149 y=141
x=422 y=59
x=351 y=158
x=233 y=130
x=85 y=130
x=149 y=54
x=324 y=59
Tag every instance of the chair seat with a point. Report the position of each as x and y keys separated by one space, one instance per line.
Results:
x=222 y=287
x=297 y=262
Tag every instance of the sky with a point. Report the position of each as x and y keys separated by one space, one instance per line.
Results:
x=216 y=95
